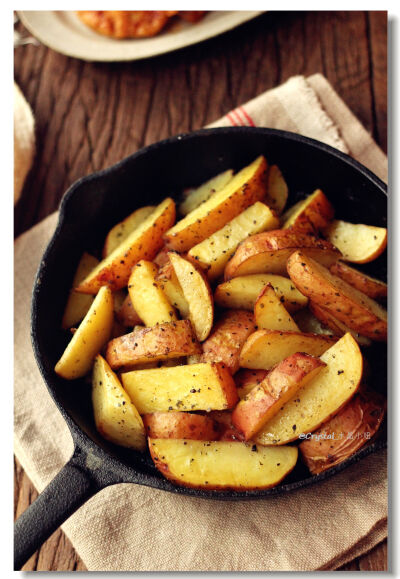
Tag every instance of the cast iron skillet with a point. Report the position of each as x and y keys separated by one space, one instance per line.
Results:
x=88 y=210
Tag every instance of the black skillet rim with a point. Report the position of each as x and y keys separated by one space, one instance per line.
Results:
x=115 y=467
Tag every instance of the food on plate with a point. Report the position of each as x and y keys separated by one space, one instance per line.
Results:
x=185 y=388
x=345 y=433
x=127 y=315
x=166 y=277
x=227 y=338
x=78 y=304
x=143 y=243
x=373 y=288
x=242 y=292
x=183 y=425
x=133 y=23
x=336 y=327
x=91 y=335
x=265 y=348
x=311 y=214
x=221 y=464
x=197 y=293
x=268 y=252
x=280 y=385
x=319 y=399
x=198 y=195
x=343 y=301
x=115 y=416
x=214 y=252
x=246 y=380
x=121 y=231
x=161 y=342
x=277 y=189
x=358 y=243
x=244 y=189
x=271 y=314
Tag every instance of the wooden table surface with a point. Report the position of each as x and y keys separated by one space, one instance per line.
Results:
x=91 y=115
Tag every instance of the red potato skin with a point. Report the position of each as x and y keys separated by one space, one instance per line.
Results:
x=160 y=342
x=227 y=431
x=127 y=314
x=227 y=383
x=370 y=287
x=227 y=338
x=180 y=425
x=353 y=426
x=266 y=399
x=162 y=257
x=273 y=241
x=245 y=377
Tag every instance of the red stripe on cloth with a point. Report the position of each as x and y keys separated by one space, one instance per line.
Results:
x=247 y=116
x=241 y=121
x=231 y=119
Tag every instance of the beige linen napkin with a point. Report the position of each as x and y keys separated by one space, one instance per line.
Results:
x=24 y=141
x=130 y=527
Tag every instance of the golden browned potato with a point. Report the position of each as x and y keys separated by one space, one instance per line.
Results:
x=197 y=293
x=310 y=324
x=120 y=232
x=242 y=292
x=127 y=315
x=371 y=287
x=336 y=327
x=184 y=388
x=214 y=252
x=358 y=243
x=169 y=283
x=339 y=298
x=198 y=195
x=320 y=399
x=244 y=189
x=115 y=416
x=227 y=338
x=160 y=342
x=126 y=23
x=271 y=314
x=180 y=425
x=78 y=304
x=265 y=348
x=143 y=243
x=268 y=252
x=92 y=334
x=221 y=465
x=279 y=386
x=246 y=380
x=345 y=433
x=311 y=214
x=147 y=295
x=277 y=190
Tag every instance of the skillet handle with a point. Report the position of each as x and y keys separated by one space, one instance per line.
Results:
x=69 y=490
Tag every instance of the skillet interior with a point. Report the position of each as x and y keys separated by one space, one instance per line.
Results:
x=95 y=203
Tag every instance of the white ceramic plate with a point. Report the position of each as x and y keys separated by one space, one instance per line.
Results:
x=63 y=31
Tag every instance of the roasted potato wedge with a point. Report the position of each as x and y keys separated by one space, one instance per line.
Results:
x=271 y=314
x=336 y=296
x=265 y=348
x=127 y=315
x=197 y=293
x=122 y=230
x=214 y=252
x=309 y=324
x=198 y=195
x=78 y=304
x=371 y=287
x=246 y=380
x=92 y=334
x=191 y=388
x=142 y=243
x=358 y=243
x=279 y=386
x=115 y=416
x=170 y=285
x=345 y=433
x=277 y=190
x=226 y=429
x=244 y=189
x=227 y=338
x=268 y=252
x=336 y=327
x=147 y=295
x=180 y=425
x=320 y=399
x=311 y=214
x=161 y=342
x=221 y=465
x=242 y=292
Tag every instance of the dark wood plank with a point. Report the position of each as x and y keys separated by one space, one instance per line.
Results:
x=90 y=115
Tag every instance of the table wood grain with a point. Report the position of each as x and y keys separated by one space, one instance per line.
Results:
x=91 y=115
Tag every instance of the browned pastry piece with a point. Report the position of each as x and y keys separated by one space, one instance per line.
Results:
x=191 y=15
x=126 y=23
